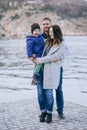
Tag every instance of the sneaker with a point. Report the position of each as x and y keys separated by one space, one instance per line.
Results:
x=36 y=78
x=49 y=118
x=42 y=116
x=61 y=115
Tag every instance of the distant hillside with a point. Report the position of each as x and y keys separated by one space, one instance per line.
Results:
x=16 y=16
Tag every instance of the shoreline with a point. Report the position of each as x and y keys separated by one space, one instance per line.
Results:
x=17 y=38
x=77 y=97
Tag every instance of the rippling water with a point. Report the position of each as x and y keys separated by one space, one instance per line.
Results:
x=16 y=71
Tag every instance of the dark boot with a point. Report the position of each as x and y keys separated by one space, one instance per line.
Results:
x=49 y=118
x=61 y=115
x=42 y=116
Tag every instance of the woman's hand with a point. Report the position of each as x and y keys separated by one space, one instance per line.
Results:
x=31 y=58
x=35 y=60
x=58 y=60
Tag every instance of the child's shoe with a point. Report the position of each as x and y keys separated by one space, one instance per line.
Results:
x=36 y=79
x=33 y=83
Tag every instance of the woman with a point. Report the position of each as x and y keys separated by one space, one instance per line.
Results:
x=50 y=75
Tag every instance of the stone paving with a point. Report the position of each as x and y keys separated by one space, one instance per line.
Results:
x=24 y=115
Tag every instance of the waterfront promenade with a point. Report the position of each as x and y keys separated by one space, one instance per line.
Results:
x=23 y=114
x=18 y=99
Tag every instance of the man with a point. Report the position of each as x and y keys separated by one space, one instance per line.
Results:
x=46 y=22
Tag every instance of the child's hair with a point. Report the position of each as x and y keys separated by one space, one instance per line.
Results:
x=34 y=26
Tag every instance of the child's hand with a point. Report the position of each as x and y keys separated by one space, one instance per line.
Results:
x=34 y=55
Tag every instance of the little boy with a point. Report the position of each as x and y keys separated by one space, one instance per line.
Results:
x=35 y=46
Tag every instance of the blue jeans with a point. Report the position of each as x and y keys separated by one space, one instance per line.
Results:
x=45 y=96
x=59 y=94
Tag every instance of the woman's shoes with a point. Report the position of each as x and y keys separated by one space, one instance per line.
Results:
x=43 y=116
x=49 y=118
x=46 y=115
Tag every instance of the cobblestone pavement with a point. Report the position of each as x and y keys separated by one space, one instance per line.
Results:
x=24 y=115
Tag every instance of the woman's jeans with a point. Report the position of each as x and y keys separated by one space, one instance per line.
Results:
x=59 y=94
x=45 y=97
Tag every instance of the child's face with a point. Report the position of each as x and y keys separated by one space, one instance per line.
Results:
x=36 y=32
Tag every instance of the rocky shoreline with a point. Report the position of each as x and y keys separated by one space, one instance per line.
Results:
x=18 y=28
x=15 y=23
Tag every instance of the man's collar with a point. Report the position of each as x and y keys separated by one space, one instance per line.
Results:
x=44 y=35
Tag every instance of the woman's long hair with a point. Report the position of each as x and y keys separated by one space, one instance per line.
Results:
x=58 y=36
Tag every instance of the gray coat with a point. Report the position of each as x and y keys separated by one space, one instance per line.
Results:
x=52 y=69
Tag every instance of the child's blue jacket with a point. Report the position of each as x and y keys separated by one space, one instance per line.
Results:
x=34 y=45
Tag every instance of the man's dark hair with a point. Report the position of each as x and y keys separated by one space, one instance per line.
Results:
x=46 y=18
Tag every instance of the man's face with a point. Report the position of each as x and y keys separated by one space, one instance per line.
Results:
x=45 y=25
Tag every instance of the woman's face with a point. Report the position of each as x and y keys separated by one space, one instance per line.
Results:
x=51 y=33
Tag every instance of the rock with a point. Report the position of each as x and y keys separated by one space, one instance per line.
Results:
x=3 y=34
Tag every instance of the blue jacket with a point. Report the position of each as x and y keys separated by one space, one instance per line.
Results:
x=35 y=45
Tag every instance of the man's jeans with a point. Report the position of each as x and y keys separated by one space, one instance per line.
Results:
x=59 y=94
x=45 y=97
